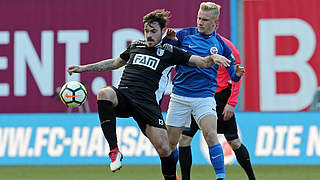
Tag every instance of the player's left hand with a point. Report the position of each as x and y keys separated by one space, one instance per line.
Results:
x=171 y=34
x=228 y=112
x=239 y=70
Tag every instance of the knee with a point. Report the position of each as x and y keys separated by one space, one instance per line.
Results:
x=185 y=141
x=106 y=94
x=163 y=150
x=211 y=137
x=172 y=145
x=235 y=144
x=210 y=133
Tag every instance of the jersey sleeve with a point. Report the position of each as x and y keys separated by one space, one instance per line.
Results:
x=228 y=54
x=180 y=56
x=235 y=88
x=126 y=54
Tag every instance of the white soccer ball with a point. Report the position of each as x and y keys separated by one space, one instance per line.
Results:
x=73 y=94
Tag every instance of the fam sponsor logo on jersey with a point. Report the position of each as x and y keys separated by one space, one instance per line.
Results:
x=214 y=50
x=145 y=60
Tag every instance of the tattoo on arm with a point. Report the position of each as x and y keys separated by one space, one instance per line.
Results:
x=122 y=63
x=104 y=65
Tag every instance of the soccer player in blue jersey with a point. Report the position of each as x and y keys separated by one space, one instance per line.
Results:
x=226 y=98
x=194 y=88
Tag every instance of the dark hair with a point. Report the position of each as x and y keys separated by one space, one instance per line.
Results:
x=159 y=15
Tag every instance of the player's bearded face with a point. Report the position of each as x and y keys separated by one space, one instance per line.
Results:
x=152 y=33
x=205 y=22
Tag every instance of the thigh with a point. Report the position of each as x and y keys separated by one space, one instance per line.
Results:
x=179 y=111
x=192 y=130
x=221 y=100
x=174 y=134
x=229 y=128
x=208 y=123
x=123 y=108
x=147 y=114
x=159 y=139
x=202 y=107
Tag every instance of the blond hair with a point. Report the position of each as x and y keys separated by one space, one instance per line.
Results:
x=210 y=6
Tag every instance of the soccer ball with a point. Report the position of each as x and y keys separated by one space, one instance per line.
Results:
x=73 y=94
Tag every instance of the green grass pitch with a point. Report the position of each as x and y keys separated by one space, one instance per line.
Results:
x=152 y=172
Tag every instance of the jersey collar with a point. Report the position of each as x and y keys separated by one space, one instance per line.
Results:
x=207 y=36
x=159 y=45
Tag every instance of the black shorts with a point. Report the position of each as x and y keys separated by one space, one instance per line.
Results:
x=228 y=128
x=141 y=106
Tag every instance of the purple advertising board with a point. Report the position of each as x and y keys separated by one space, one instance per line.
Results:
x=39 y=39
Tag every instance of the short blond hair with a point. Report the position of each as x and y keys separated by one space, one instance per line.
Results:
x=210 y=6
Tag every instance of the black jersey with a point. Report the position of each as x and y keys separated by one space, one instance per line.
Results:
x=148 y=67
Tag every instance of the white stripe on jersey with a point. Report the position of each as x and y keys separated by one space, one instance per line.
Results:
x=164 y=80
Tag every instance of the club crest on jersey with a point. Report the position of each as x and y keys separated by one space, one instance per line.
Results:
x=145 y=60
x=160 y=52
x=214 y=50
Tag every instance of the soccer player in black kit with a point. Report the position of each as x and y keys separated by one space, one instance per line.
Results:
x=142 y=85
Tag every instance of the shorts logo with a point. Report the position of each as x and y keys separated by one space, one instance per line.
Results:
x=145 y=60
x=160 y=52
x=214 y=50
x=160 y=121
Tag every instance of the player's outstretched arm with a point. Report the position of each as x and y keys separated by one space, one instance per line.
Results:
x=209 y=61
x=104 y=65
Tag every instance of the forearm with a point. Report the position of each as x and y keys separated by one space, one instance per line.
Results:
x=101 y=66
x=235 y=78
x=208 y=61
x=235 y=90
x=232 y=73
x=203 y=62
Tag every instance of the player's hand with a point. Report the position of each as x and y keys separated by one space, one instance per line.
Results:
x=220 y=60
x=228 y=112
x=239 y=70
x=171 y=34
x=74 y=69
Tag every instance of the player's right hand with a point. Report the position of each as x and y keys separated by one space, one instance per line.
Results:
x=74 y=69
x=221 y=60
x=228 y=112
